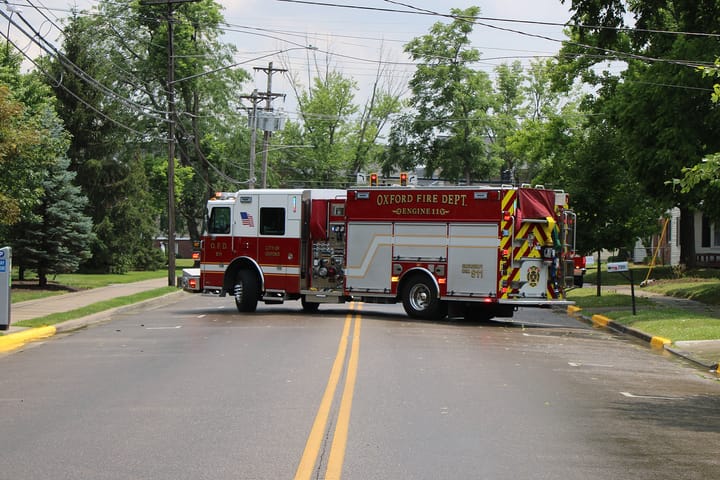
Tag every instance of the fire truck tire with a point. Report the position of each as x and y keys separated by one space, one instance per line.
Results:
x=420 y=299
x=309 y=307
x=246 y=291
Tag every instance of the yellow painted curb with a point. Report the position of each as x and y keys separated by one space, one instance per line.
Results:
x=659 y=342
x=17 y=340
x=600 y=320
x=572 y=309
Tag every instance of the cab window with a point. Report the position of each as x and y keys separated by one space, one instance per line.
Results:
x=272 y=221
x=219 y=222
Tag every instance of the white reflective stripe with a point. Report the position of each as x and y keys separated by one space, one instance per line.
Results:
x=212 y=267
x=280 y=269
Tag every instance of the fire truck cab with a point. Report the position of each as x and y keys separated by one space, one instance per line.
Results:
x=436 y=250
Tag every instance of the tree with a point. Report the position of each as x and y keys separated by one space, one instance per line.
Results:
x=55 y=237
x=114 y=102
x=326 y=108
x=508 y=109
x=23 y=100
x=450 y=124
x=384 y=101
x=704 y=177
x=656 y=103
x=15 y=137
x=612 y=209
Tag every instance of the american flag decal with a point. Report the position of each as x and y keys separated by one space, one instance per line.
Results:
x=247 y=219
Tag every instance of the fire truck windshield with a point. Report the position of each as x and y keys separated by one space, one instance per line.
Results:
x=219 y=222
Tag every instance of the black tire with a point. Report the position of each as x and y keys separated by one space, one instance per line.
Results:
x=309 y=307
x=420 y=299
x=246 y=291
x=578 y=281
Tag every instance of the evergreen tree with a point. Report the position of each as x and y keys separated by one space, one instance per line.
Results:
x=56 y=237
x=126 y=234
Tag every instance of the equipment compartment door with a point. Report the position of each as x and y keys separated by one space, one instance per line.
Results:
x=369 y=251
x=473 y=259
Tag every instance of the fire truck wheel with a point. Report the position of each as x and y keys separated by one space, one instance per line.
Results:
x=246 y=291
x=420 y=299
x=309 y=307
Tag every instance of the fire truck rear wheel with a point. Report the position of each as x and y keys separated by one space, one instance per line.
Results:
x=420 y=299
x=246 y=291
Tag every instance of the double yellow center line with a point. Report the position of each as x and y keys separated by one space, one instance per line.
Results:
x=307 y=467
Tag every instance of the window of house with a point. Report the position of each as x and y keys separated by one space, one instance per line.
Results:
x=219 y=222
x=272 y=221
x=705 y=232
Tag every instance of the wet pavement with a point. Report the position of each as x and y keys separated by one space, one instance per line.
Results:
x=705 y=353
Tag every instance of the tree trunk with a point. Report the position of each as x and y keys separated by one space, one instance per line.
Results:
x=599 y=272
x=687 y=237
x=42 y=277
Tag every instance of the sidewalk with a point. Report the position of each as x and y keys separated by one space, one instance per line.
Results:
x=16 y=336
x=705 y=353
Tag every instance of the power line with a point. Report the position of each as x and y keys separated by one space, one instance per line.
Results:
x=59 y=84
x=51 y=50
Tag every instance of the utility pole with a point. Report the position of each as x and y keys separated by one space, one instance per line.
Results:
x=172 y=116
x=269 y=96
x=254 y=98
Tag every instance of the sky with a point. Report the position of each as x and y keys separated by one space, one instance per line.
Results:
x=350 y=40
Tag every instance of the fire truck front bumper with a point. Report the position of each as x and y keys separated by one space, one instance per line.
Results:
x=191 y=279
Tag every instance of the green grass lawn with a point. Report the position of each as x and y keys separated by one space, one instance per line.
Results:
x=655 y=319
x=705 y=290
x=63 y=283
x=95 y=308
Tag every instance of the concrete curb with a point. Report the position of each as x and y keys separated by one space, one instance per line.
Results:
x=653 y=341
x=16 y=340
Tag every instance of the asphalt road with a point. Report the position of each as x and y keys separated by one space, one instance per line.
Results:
x=195 y=391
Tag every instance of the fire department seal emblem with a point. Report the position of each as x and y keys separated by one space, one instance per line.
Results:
x=533 y=276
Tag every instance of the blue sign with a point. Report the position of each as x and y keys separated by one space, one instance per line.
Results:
x=3 y=265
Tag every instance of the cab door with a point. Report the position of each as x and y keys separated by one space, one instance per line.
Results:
x=218 y=249
x=279 y=241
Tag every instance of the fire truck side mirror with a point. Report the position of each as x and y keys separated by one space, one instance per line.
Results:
x=373 y=179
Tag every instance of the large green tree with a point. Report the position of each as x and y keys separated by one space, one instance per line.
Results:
x=24 y=101
x=114 y=100
x=658 y=103
x=509 y=108
x=56 y=236
x=703 y=178
x=451 y=101
x=335 y=137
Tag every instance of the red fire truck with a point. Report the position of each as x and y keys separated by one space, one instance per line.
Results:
x=480 y=251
